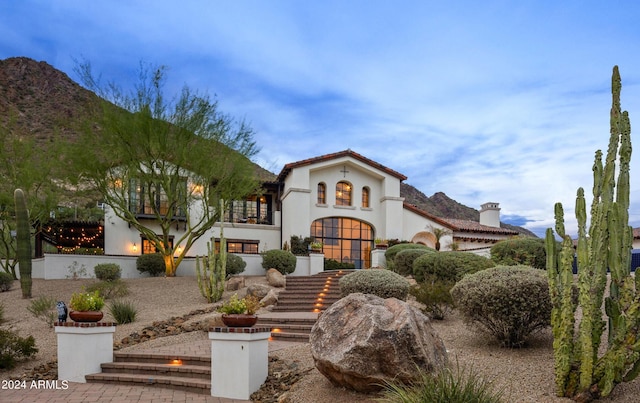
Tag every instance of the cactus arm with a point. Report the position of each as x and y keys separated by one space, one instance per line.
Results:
x=23 y=241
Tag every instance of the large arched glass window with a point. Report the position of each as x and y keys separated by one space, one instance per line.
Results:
x=365 y=197
x=343 y=193
x=322 y=193
x=344 y=239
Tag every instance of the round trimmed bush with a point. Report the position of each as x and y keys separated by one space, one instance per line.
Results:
x=6 y=280
x=281 y=260
x=235 y=264
x=152 y=263
x=508 y=302
x=520 y=251
x=380 y=282
x=448 y=266
x=107 y=271
x=392 y=251
x=403 y=262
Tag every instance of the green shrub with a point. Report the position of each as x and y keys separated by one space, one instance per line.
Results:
x=332 y=264
x=449 y=385
x=449 y=266
x=508 y=302
x=436 y=297
x=1 y=313
x=392 y=251
x=300 y=245
x=235 y=264
x=403 y=262
x=525 y=251
x=6 y=281
x=110 y=289
x=107 y=271
x=281 y=260
x=123 y=311
x=380 y=282
x=14 y=348
x=44 y=308
x=152 y=263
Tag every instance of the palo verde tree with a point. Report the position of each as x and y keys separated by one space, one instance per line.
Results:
x=162 y=166
x=582 y=373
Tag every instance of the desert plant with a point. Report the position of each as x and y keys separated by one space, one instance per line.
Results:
x=380 y=282
x=435 y=296
x=123 y=311
x=332 y=264
x=14 y=348
x=449 y=266
x=152 y=263
x=109 y=289
x=508 y=302
x=235 y=264
x=77 y=271
x=1 y=313
x=235 y=305
x=86 y=301
x=44 y=308
x=403 y=261
x=392 y=251
x=212 y=276
x=459 y=385
x=300 y=245
x=107 y=271
x=6 y=281
x=23 y=242
x=281 y=260
x=584 y=370
x=527 y=251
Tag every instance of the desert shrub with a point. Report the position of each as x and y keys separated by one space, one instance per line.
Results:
x=107 y=271
x=152 y=263
x=6 y=281
x=281 y=260
x=449 y=266
x=403 y=261
x=449 y=385
x=332 y=264
x=14 y=348
x=123 y=311
x=44 y=308
x=1 y=313
x=110 y=289
x=508 y=302
x=520 y=251
x=435 y=296
x=392 y=251
x=235 y=264
x=383 y=283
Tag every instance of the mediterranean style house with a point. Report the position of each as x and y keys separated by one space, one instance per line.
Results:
x=343 y=200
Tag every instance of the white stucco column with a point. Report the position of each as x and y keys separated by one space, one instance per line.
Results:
x=316 y=263
x=239 y=360
x=378 y=259
x=82 y=347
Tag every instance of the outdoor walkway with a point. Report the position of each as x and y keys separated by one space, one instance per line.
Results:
x=97 y=392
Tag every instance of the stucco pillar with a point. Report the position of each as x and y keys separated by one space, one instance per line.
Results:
x=82 y=348
x=316 y=263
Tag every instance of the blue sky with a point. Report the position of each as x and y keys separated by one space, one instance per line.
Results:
x=502 y=101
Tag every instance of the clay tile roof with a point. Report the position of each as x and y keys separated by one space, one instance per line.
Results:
x=474 y=226
x=327 y=157
x=636 y=233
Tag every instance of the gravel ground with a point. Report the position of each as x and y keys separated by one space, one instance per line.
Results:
x=525 y=375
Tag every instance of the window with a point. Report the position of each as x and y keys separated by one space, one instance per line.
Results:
x=151 y=200
x=365 y=197
x=343 y=193
x=344 y=239
x=253 y=210
x=150 y=246
x=322 y=193
x=240 y=246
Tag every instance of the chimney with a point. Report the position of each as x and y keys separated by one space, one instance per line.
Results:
x=490 y=214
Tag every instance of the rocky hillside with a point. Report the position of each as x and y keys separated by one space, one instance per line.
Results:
x=38 y=99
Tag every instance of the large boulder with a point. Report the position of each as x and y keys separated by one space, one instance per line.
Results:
x=275 y=278
x=363 y=340
x=270 y=299
x=258 y=290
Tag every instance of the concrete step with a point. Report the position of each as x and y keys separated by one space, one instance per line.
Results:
x=141 y=368
x=194 y=385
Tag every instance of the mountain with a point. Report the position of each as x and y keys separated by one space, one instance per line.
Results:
x=38 y=99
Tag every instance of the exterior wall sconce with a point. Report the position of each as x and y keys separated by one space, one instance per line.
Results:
x=179 y=250
x=134 y=247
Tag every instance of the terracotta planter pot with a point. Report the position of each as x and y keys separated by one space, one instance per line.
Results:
x=86 y=316
x=239 y=319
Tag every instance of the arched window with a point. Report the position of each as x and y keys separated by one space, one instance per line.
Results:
x=322 y=193
x=343 y=193
x=344 y=239
x=365 y=197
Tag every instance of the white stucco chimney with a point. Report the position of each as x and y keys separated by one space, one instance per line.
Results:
x=490 y=214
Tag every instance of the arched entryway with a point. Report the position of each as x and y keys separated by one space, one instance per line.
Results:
x=344 y=239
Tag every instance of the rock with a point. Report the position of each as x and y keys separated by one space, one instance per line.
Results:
x=235 y=283
x=270 y=299
x=275 y=278
x=363 y=340
x=258 y=290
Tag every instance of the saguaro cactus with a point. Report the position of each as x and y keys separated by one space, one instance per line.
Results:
x=214 y=267
x=581 y=373
x=23 y=240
